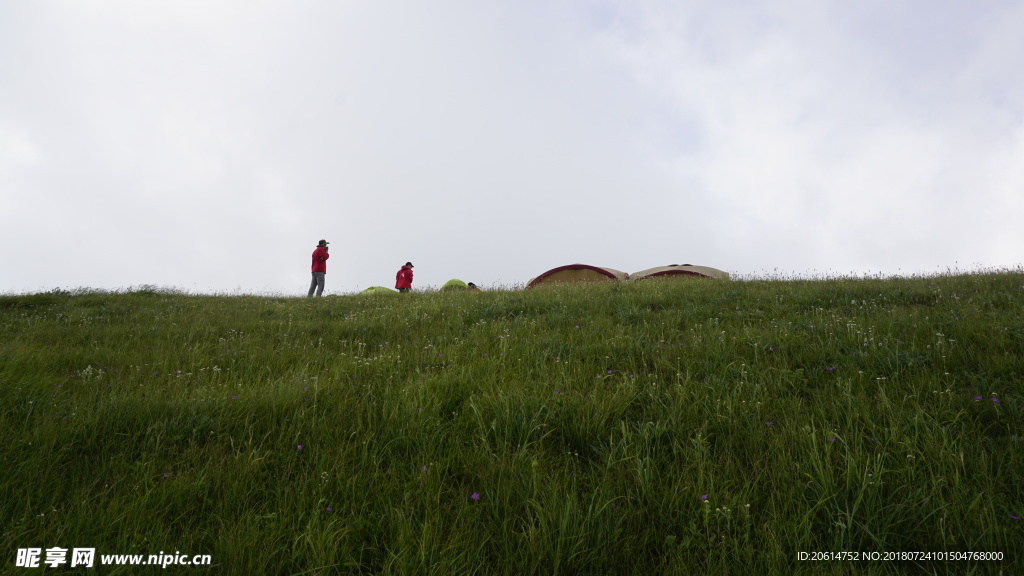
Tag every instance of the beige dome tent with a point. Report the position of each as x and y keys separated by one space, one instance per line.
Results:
x=680 y=272
x=576 y=274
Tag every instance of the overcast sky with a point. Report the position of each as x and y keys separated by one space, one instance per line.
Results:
x=208 y=145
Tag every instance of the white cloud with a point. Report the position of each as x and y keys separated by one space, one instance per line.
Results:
x=210 y=145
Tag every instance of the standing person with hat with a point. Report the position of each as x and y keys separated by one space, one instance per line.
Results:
x=403 y=280
x=320 y=257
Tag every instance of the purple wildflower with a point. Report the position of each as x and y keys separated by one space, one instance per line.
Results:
x=423 y=469
x=1014 y=517
x=768 y=423
x=300 y=446
x=996 y=400
x=703 y=496
x=977 y=397
x=831 y=439
x=329 y=509
x=475 y=496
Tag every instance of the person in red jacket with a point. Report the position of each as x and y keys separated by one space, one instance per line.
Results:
x=403 y=280
x=320 y=257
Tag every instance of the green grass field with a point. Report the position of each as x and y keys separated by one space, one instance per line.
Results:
x=701 y=427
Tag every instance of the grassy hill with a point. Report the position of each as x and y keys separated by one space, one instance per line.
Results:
x=659 y=427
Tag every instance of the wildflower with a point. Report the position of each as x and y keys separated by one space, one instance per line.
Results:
x=300 y=446
x=329 y=509
x=831 y=439
x=977 y=397
x=167 y=474
x=557 y=392
x=475 y=496
x=996 y=400
x=609 y=371
x=831 y=368
x=768 y=423
x=234 y=397
x=420 y=409
x=1014 y=517
x=704 y=497
x=423 y=469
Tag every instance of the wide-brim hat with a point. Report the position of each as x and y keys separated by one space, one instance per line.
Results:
x=323 y=243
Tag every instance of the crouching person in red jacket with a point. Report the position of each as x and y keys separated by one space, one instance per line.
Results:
x=403 y=280
x=320 y=257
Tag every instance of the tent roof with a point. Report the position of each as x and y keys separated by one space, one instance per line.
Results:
x=610 y=273
x=378 y=290
x=454 y=284
x=705 y=271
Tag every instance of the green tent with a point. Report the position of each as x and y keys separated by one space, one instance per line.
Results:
x=454 y=285
x=378 y=290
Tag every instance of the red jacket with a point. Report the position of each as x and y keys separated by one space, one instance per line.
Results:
x=320 y=257
x=404 y=278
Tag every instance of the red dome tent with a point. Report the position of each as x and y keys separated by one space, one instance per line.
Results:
x=576 y=274
x=680 y=272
